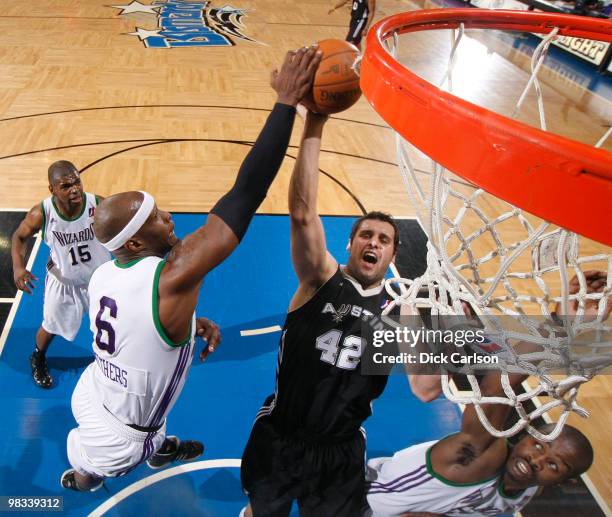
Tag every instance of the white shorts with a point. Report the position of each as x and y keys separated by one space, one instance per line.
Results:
x=63 y=307
x=101 y=445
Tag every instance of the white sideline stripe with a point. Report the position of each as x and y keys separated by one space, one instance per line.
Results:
x=263 y=330
x=14 y=209
x=160 y=476
x=17 y=299
x=585 y=477
x=7 y=300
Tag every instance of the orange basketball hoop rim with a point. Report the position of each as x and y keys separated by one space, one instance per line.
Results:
x=558 y=179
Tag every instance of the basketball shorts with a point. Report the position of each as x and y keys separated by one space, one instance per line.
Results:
x=101 y=445
x=63 y=307
x=355 y=32
x=324 y=479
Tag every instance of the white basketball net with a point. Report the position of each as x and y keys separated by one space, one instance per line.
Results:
x=524 y=271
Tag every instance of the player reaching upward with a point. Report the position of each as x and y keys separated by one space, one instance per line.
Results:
x=142 y=305
x=306 y=443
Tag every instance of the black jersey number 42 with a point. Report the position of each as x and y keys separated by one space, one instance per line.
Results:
x=346 y=355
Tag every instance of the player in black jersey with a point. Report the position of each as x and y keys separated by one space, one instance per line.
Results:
x=362 y=14
x=306 y=443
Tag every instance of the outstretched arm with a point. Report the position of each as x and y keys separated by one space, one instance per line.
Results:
x=473 y=451
x=227 y=223
x=337 y=6
x=198 y=253
x=474 y=454
x=312 y=262
x=425 y=386
x=27 y=228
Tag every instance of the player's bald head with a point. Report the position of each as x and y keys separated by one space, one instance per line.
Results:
x=114 y=213
x=59 y=169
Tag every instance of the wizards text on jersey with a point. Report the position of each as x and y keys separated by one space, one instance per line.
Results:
x=66 y=239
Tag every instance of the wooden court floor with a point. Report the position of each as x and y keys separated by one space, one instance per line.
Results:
x=177 y=122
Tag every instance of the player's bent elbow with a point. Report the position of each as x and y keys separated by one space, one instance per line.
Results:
x=426 y=388
x=17 y=239
x=427 y=395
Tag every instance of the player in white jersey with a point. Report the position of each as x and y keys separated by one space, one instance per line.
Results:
x=142 y=304
x=66 y=221
x=472 y=472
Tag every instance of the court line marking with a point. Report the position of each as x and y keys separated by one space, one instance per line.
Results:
x=11 y=316
x=263 y=330
x=7 y=300
x=160 y=476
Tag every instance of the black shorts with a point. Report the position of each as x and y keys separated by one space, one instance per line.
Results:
x=325 y=480
x=355 y=32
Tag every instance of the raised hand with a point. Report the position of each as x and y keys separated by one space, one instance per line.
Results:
x=294 y=81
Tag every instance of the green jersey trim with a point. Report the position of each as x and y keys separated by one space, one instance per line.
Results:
x=78 y=216
x=44 y=223
x=128 y=264
x=156 y=320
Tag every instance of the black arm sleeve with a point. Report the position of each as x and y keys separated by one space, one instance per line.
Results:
x=257 y=171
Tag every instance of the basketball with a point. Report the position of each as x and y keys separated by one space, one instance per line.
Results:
x=336 y=85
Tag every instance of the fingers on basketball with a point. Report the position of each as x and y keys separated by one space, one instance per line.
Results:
x=336 y=85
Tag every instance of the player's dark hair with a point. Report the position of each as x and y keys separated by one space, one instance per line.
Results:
x=377 y=216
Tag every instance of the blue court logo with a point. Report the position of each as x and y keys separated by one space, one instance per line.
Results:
x=182 y=23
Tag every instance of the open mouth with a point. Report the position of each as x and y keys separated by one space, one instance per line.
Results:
x=370 y=257
x=523 y=469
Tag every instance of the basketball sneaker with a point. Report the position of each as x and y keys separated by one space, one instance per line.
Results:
x=40 y=372
x=174 y=450
x=68 y=481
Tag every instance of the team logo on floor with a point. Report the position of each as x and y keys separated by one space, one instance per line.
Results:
x=182 y=23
